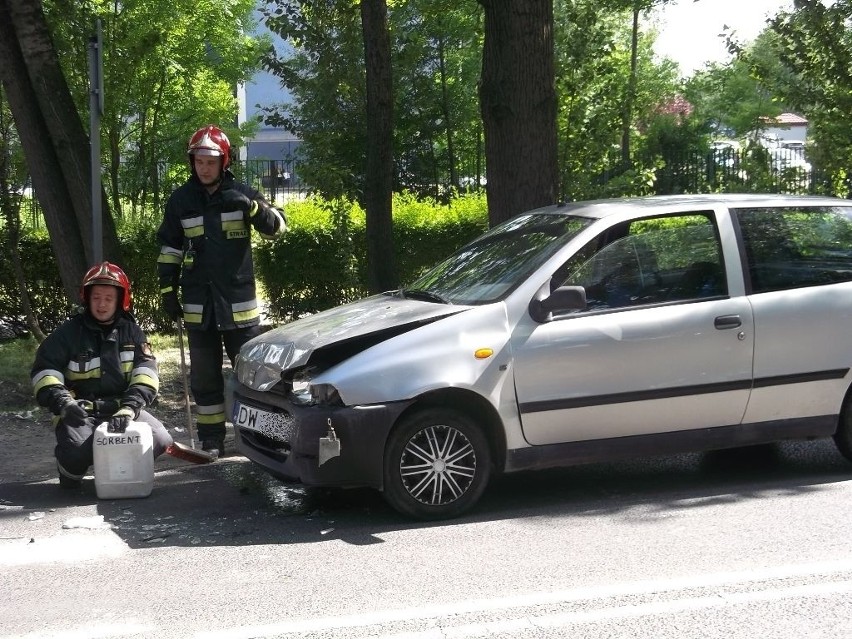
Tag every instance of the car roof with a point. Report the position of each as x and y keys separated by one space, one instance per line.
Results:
x=599 y=209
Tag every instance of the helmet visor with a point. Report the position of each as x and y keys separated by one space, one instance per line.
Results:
x=203 y=151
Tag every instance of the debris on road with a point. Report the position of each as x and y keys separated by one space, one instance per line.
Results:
x=93 y=523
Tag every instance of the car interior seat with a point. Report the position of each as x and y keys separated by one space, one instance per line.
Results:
x=700 y=279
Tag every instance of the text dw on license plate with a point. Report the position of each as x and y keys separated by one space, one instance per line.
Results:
x=273 y=425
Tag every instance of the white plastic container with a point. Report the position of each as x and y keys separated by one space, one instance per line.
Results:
x=124 y=462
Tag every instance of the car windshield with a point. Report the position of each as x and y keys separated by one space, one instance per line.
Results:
x=490 y=267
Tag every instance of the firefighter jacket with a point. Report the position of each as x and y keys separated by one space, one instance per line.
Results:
x=81 y=359
x=206 y=250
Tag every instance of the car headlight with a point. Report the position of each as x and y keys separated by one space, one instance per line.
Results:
x=260 y=366
x=305 y=393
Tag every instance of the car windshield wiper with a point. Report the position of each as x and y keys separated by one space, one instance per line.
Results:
x=422 y=294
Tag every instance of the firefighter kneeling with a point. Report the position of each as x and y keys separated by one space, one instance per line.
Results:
x=96 y=367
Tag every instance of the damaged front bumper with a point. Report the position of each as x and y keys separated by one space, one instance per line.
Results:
x=285 y=439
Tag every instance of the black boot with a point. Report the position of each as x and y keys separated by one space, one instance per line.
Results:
x=214 y=446
x=66 y=482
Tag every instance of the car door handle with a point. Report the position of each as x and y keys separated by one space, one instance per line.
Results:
x=724 y=322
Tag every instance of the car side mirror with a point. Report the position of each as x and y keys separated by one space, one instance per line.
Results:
x=564 y=298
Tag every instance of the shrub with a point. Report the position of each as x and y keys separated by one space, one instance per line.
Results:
x=140 y=249
x=321 y=261
x=44 y=286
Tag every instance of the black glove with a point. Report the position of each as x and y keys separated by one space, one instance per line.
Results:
x=74 y=415
x=234 y=200
x=171 y=305
x=120 y=420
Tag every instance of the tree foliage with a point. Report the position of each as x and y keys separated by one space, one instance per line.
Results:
x=815 y=43
x=170 y=66
x=435 y=60
x=438 y=61
x=593 y=68
x=737 y=97
x=324 y=72
x=13 y=183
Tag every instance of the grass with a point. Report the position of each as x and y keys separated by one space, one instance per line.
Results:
x=16 y=360
x=164 y=342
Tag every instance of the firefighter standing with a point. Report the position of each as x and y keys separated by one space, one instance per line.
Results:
x=205 y=239
x=97 y=366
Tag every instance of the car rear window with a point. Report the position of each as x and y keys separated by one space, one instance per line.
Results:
x=795 y=247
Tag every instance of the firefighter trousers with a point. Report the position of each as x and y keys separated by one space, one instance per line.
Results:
x=206 y=378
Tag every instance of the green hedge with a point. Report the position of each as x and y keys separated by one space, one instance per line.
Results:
x=44 y=285
x=41 y=273
x=140 y=251
x=319 y=263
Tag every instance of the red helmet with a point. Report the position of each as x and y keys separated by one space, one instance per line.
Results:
x=108 y=275
x=210 y=140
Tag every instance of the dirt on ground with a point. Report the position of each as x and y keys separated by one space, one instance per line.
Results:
x=26 y=432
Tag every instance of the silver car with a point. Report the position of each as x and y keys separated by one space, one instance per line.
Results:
x=570 y=334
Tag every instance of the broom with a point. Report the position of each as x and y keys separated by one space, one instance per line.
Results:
x=176 y=449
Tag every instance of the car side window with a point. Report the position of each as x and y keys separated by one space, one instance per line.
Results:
x=649 y=261
x=796 y=247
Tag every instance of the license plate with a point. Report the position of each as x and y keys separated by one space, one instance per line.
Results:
x=277 y=426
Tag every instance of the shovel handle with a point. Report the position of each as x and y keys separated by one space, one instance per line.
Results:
x=183 y=375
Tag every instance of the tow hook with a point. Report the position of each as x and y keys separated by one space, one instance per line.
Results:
x=329 y=446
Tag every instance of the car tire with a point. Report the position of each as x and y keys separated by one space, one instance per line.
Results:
x=419 y=481
x=843 y=434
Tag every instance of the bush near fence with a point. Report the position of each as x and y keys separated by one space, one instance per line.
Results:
x=41 y=274
x=319 y=263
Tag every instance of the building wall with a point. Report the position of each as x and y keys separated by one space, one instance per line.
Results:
x=264 y=89
x=787 y=127
x=798 y=133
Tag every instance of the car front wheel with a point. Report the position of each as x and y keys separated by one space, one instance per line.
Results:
x=437 y=464
x=843 y=436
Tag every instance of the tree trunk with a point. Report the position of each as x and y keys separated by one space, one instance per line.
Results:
x=449 y=121
x=65 y=132
x=381 y=266
x=627 y=111
x=518 y=103
x=44 y=165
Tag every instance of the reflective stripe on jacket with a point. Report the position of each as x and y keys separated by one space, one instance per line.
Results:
x=80 y=358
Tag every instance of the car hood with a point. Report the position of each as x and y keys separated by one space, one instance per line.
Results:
x=331 y=336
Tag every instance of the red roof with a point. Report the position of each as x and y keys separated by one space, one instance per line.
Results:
x=786 y=119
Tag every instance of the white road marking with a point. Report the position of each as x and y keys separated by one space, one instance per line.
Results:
x=689 y=604
x=69 y=547
x=327 y=624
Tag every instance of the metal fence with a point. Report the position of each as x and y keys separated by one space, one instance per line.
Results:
x=734 y=170
x=726 y=169
x=279 y=181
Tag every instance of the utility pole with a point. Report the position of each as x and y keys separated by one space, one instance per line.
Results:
x=96 y=110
